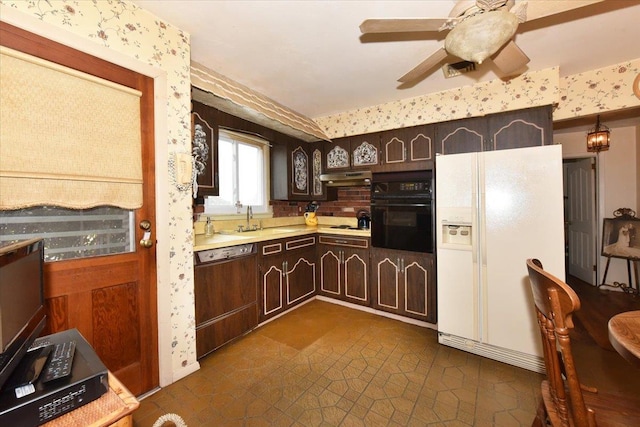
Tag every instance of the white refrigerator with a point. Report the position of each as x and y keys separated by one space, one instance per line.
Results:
x=493 y=211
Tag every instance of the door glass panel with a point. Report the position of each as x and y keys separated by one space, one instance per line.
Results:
x=71 y=233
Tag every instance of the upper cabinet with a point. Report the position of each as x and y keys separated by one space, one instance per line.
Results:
x=522 y=128
x=295 y=170
x=406 y=149
x=513 y=129
x=365 y=151
x=355 y=152
x=204 y=135
x=461 y=136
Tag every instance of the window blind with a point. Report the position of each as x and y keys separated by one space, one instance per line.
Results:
x=67 y=138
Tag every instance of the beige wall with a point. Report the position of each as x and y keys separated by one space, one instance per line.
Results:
x=618 y=179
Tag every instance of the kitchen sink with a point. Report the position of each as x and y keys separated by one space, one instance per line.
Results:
x=263 y=232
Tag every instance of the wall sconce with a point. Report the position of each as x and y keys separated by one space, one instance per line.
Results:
x=599 y=138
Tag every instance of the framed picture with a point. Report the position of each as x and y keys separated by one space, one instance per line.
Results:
x=621 y=237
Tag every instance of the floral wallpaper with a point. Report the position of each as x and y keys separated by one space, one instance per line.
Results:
x=125 y=28
x=528 y=90
x=605 y=89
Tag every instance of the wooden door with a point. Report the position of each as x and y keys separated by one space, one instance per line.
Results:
x=111 y=299
x=580 y=218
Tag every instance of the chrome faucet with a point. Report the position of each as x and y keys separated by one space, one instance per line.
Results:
x=249 y=215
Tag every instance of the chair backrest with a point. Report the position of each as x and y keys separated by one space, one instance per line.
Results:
x=555 y=303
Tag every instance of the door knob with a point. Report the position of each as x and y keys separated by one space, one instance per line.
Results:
x=146 y=241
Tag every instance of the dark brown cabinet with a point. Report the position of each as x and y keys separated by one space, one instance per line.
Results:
x=522 y=128
x=344 y=268
x=513 y=129
x=462 y=136
x=287 y=274
x=355 y=152
x=225 y=301
x=406 y=149
x=296 y=167
x=204 y=138
x=403 y=283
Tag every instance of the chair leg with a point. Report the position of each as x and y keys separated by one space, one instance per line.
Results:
x=540 y=419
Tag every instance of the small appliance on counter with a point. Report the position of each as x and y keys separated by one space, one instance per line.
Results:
x=310 y=214
x=364 y=219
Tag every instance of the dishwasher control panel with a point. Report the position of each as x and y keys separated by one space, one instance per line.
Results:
x=211 y=255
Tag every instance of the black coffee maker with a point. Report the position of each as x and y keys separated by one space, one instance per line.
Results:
x=364 y=219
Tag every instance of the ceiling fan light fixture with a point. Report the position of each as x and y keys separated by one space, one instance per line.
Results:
x=478 y=37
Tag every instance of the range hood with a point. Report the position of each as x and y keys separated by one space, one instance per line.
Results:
x=347 y=179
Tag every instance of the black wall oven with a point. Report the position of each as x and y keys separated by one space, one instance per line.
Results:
x=402 y=214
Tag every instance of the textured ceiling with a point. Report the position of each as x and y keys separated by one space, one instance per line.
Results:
x=311 y=57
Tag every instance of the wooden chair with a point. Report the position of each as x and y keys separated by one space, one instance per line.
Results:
x=566 y=401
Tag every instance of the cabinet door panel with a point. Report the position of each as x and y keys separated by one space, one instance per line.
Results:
x=461 y=136
x=204 y=130
x=272 y=285
x=407 y=149
x=416 y=280
x=394 y=148
x=329 y=272
x=355 y=274
x=301 y=278
x=386 y=272
x=300 y=171
x=365 y=150
x=337 y=155
x=523 y=128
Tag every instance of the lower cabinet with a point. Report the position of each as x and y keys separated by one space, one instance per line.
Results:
x=287 y=273
x=343 y=271
x=402 y=282
x=225 y=301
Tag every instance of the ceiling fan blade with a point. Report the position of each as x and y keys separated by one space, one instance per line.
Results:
x=510 y=59
x=433 y=61
x=540 y=9
x=369 y=26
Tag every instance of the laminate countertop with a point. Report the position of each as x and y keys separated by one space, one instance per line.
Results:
x=230 y=238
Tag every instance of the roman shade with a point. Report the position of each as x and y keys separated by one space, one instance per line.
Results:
x=67 y=138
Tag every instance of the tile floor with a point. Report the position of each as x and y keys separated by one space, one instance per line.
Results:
x=328 y=365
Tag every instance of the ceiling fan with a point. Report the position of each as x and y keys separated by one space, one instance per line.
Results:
x=477 y=30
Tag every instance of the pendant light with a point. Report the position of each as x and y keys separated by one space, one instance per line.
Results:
x=599 y=138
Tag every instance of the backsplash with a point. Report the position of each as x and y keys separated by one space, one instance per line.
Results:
x=350 y=201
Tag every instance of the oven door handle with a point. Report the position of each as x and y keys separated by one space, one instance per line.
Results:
x=418 y=205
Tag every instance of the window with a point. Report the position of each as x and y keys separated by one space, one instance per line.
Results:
x=243 y=174
x=71 y=233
